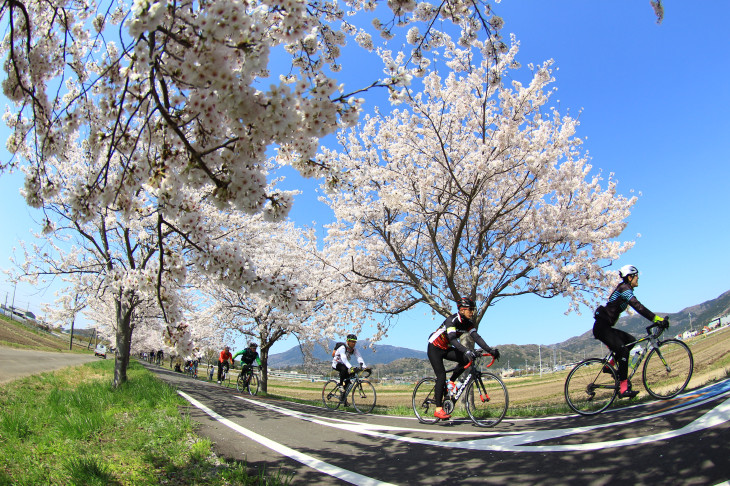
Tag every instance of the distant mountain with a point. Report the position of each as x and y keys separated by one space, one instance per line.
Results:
x=517 y=356
x=375 y=354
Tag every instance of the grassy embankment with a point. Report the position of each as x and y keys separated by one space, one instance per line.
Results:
x=70 y=427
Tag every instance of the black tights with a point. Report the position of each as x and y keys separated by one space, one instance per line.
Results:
x=437 y=356
x=616 y=340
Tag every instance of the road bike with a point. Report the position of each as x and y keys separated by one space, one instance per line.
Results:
x=360 y=391
x=484 y=393
x=225 y=373
x=593 y=384
x=248 y=380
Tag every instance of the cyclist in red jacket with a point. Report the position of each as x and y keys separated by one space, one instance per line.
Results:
x=223 y=360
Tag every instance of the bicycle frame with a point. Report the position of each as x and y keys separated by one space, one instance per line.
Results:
x=353 y=382
x=653 y=339
x=473 y=374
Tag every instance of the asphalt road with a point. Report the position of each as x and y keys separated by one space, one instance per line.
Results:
x=17 y=363
x=680 y=441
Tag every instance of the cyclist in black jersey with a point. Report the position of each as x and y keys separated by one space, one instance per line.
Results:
x=444 y=344
x=606 y=317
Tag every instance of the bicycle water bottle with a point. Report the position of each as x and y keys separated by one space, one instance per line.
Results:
x=634 y=358
x=452 y=387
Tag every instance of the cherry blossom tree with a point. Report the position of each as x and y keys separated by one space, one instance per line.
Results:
x=477 y=187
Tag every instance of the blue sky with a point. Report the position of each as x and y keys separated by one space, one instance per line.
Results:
x=654 y=102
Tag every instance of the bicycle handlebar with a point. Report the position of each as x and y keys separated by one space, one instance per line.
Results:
x=662 y=326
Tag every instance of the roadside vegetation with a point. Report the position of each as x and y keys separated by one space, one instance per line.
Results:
x=71 y=427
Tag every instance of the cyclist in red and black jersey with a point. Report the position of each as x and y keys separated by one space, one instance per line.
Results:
x=444 y=344
x=606 y=317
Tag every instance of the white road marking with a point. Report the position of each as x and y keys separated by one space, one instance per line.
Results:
x=321 y=466
x=517 y=441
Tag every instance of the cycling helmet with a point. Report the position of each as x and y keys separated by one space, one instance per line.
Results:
x=627 y=270
x=253 y=345
x=351 y=337
x=466 y=302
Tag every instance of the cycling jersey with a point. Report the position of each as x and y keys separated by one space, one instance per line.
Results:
x=451 y=330
x=620 y=299
x=225 y=356
x=248 y=356
x=344 y=355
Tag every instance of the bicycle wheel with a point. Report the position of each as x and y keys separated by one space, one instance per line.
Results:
x=253 y=384
x=241 y=382
x=667 y=369
x=331 y=394
x=486 y=400
x=591 y=387
x=363 y=396
x=424 y=402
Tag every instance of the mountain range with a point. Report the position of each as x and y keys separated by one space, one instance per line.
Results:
x=515 y=356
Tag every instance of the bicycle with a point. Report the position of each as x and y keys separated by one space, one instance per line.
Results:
x=360 y=389
x=593 y=384
x=224 y=373
x=485 y=396
x=248 y=380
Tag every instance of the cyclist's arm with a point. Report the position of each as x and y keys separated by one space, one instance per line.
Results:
x=236 y=355
x=479 y=340
x=454 y=339
x=359 y=358
x=258 y=361
x=638 y=307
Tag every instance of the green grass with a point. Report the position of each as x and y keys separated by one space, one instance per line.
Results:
x=70 y=427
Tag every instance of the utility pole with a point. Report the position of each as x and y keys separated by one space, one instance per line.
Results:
x=539 y=354
x=12 y=306
x=690 y=322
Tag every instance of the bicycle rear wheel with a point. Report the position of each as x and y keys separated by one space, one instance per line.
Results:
x=424 y=402
x=668 y=369
x=331 y=394
x=487 y=400
x=591 y=387
x=363 y=396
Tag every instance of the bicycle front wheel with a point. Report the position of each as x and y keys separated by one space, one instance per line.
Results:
x=487 y=400
x=424 y=401
x=331 y=394
x=667 y=369
x=363 y=396
x=591 y=387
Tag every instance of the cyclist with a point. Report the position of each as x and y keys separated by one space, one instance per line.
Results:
x=444 y=344
x=160 y=356
x=606 y=317
x=248 y=356
x=342 y=357
x=225 y=356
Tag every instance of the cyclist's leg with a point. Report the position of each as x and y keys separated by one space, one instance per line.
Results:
x=436 y=357
x=455 y=355
x=220 y=370
x=344 y=374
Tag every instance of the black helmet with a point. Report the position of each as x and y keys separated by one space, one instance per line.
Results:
x=351 y=337
x=466 y=302
x=253 y=345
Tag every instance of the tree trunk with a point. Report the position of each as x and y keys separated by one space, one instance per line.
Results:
x=124 y=342
x=264 y=356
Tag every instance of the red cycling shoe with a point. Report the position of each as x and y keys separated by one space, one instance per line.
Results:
x=441 y=414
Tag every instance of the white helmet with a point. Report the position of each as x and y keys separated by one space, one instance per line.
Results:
x=627 y=270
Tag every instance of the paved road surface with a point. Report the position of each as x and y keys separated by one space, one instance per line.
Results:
x=681 y=441
x=17 y=363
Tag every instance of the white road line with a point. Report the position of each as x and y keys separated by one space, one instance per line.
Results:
x=516 y=441
x=307 y=460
